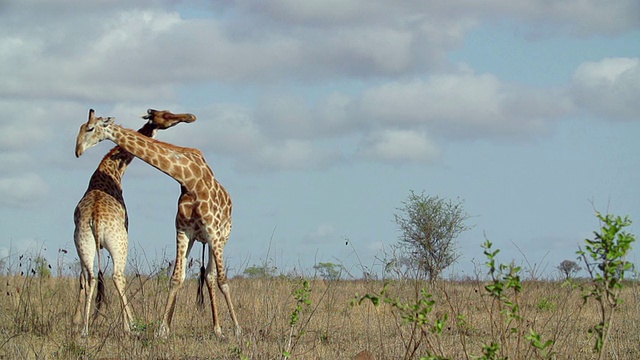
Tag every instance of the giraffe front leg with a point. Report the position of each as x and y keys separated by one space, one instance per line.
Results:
x=183 y=245
x=226 y=291
x=217 y=255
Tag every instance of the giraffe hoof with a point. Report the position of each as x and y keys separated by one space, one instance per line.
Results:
x=218 y=332
x=162 y=332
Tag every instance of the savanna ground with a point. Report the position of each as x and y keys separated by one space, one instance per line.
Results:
x=332 y=323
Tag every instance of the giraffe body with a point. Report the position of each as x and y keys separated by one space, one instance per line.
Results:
x=204 y=207
x=101 y=220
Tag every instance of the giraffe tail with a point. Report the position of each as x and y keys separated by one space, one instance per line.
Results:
x=100 y=292
x=201 y=278
x=200 y=295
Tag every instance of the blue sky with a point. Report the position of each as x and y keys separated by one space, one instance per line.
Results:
x=320 y=117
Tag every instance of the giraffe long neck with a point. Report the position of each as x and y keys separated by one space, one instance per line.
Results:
x=177 y=162
x=113 y=166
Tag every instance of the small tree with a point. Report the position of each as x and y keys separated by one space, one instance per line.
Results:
x=328 y=270
x=568 y=268
x=255 y=271
x=397 y=263
x=606 y=264
x=42 y=267
x=429 y=226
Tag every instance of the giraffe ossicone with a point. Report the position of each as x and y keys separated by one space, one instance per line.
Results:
x=204 y=207
x=101 y=220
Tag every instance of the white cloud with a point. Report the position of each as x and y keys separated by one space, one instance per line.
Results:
x=463 y=104
x=22 y=190
x=398 y=146
x=361 y=52
x=210 y=49
x=19 y=136
x=312 y=12
x=572 y=17
x=11 y=162
x=582 y=17
x=291 y=155
x=42 y=133
x=610 y=88
x=235 y=131
x=285 y=132
x=137 y=54
x=97 y=56
x=222 y=128
x=129 y=54
x=285 y=115
x=289 y=115
x=335 y=114
x=579 y=17
x=321 y=234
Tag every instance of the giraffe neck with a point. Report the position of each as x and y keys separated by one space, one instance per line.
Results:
x=170 y=159
x=115 y=163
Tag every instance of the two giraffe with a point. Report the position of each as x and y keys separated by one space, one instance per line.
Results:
x=101 y=220
x=204 y=207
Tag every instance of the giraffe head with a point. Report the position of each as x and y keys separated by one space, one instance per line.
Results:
x=165 y=119
x=92 y=132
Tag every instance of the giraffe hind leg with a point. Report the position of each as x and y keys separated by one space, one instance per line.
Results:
x=127 y=319
x=119 y=257
x=91 y=281
x=83 y=306
x=210 y=278
x=77 y=317
x=85 y=246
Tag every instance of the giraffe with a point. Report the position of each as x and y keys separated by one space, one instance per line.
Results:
x=101 y=221
x=204 y=207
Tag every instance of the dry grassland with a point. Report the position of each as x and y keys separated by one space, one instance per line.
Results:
x=36 y=314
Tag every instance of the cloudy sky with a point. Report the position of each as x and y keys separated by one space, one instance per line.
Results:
x=320 y=117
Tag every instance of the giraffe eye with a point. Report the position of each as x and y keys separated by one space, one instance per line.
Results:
x=90 y=129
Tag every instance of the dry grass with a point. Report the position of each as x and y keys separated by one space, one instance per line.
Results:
x=35 y=321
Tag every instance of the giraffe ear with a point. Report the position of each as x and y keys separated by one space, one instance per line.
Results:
x=149 y=115
x=107 y=121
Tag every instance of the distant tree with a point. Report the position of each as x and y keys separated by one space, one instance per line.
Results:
x=328 y=270
x=568 y=268
x=625 y=267
x=4 y=269
x=256 y=271
x=397 y=263
x=429 y=226
x=42 y=267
